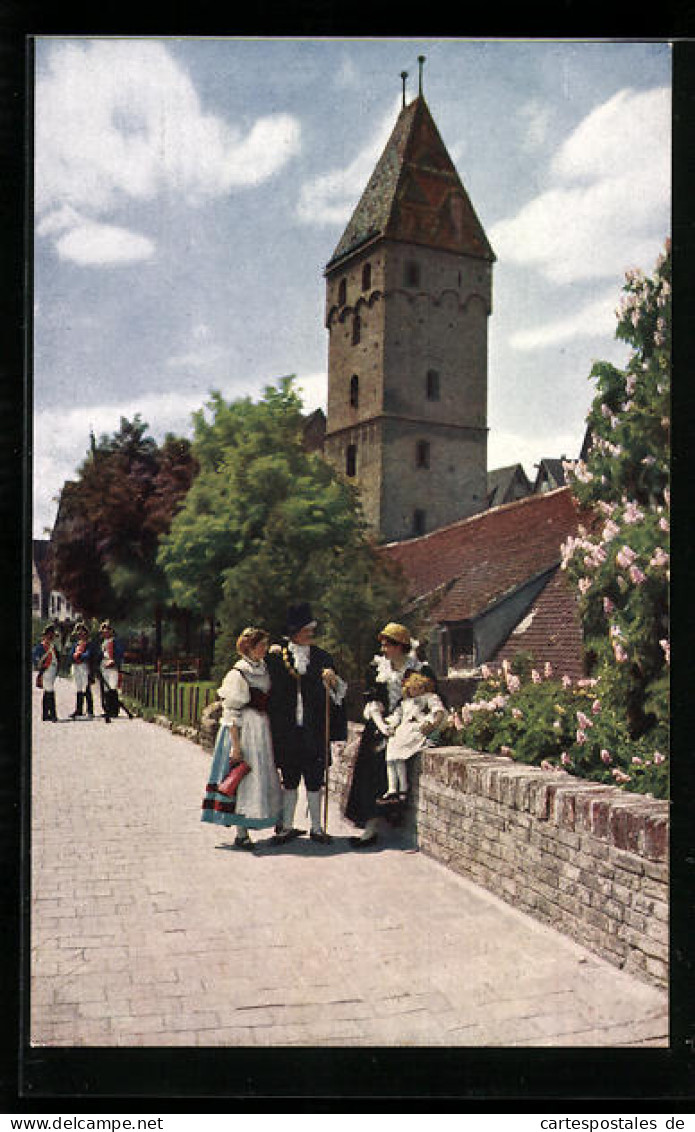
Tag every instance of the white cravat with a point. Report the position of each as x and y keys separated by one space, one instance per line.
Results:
x=300 y=659
x=301 y=654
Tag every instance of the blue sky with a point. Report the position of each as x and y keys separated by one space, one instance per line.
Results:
x=189 y=192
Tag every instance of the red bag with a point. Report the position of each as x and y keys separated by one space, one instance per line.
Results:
x=230 y=784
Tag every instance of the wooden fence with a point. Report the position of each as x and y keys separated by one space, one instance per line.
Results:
x=176 y=698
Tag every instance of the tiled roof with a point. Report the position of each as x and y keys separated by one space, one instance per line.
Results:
x=500 y=481
x=551 y=630
x=476 y=561
x=415 y=194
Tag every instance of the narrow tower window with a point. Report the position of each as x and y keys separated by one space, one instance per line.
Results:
x=411 y=274
x=366 y=276
x=342 y=293
x=356 y=329
x=354 y=391
x=422 y=454
x=432 y=385
x=351 y=460
x=419 y=521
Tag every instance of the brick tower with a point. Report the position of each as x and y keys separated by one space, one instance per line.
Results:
x=408 y=295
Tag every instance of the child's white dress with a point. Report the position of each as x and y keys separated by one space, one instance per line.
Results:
x=407 y=719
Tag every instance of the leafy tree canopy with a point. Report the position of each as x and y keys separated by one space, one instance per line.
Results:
x=111 y=518
x=266 y=524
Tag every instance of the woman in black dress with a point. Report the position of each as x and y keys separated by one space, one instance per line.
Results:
x=382 y=694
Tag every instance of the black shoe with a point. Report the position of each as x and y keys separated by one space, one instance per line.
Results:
x=287 y=835
x=363 y=842
x=388 y=799
x=243 y=843
x=321 y=837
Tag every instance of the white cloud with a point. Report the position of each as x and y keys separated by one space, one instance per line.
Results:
x=595 y=319
x=535 y=119
x=93 y=245
x=313 y=389
x=508 y=448
x=608 y=205
x=331 y=197
x=120 y=120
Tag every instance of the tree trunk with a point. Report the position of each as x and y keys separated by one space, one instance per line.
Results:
x=157 y=633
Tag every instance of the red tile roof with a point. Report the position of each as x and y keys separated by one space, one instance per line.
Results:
x=478 y=560
x=551 y=631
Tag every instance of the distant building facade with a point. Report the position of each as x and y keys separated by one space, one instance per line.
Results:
x=408 y=297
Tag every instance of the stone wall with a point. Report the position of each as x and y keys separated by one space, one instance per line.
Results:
x=589 y=860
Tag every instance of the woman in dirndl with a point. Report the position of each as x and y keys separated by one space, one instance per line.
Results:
x=244 y=735
x=383 y=693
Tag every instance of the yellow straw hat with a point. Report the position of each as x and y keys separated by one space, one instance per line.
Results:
x=396 y=633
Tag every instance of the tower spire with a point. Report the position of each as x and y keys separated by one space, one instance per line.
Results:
x=404 y=75
x=420 y=61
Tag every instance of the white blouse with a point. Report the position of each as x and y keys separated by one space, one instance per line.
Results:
x=235 y=688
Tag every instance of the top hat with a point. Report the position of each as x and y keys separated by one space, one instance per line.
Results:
x=396 y=633
x=106 y=627
x=80 y=627
x=298 y=617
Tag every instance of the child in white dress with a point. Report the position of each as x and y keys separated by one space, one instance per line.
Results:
x=420 y=712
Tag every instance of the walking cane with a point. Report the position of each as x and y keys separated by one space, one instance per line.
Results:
x=327 y=760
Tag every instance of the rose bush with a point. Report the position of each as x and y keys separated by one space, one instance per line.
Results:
x=613 y=726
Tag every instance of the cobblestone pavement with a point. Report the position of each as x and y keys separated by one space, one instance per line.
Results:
x=149 y=929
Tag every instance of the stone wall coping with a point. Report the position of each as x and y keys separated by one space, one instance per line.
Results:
x=633 y=822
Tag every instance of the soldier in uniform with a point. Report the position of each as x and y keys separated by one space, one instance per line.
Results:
x=46 y=663
x=80 y=660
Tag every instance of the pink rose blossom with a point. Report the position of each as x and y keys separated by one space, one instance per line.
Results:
x=664 y=524
x=666 y=646
x=625 y=557
x=581 y=737
x=545 y=765
x=606 y=756
x=632 y=514
x=659 y=558
x=620 y=776
x=610 y=531
x=536 y=676
x=566 y=681
x=620 y=654
x=548 y=669
x=608 y=605
x=659 y=758
x=565 y=759
x=637 y=576
x=517 y=714
x=636 y=760
x=596 y=707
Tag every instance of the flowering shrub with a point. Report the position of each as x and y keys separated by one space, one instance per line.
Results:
x=614 y=726
x=542 y=720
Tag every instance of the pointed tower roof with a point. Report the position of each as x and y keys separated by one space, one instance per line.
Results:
x=415 y=195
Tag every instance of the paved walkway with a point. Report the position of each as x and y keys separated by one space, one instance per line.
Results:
x=148 y=929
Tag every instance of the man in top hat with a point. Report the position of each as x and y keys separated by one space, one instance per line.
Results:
x=45 y=658
x=301 y=675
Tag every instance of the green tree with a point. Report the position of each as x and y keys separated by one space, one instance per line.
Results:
x=612 y=726
x=266 y=524
x=111 y=519
x=621 y=563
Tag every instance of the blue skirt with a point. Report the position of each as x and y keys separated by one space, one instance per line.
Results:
x=218 y=808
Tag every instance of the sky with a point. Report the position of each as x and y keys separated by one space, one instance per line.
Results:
x=188 y=193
